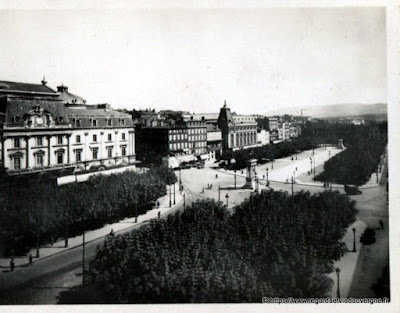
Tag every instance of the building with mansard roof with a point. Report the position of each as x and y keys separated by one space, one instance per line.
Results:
x=43 y=130
x=238 y=131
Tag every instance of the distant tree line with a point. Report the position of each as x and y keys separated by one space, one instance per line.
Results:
x=41 y=212
x=273 y=245
x=271 y=152
x=356 y=164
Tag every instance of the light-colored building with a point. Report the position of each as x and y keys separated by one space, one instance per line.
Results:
x=286 y=131
x=44 y=130
x=263 y=137
x=238 y=131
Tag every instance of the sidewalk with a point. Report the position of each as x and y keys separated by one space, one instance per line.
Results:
x=348 y=262
x=59 y=246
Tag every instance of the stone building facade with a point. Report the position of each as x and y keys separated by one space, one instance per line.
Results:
x=44 y=130
x=238 y=131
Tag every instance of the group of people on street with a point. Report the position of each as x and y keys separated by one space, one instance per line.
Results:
x=12 y=262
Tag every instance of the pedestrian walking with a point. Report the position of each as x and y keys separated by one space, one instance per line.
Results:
x=158 y=204
x=12 y=265
x=30 y=259
x=381 y=224
x=216 y=176
x=112 y=232
x=159 y=215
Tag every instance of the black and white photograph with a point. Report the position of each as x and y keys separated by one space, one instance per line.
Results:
x=199 y=153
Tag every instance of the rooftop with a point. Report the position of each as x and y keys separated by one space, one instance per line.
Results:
x=7 y=86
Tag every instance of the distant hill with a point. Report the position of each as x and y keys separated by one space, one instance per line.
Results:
x=333 y=110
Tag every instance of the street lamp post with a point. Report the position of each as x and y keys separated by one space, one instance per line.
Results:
x=66 y=230
x=354 y=237
x=256 y=178
x=83 y=252
x=338 y=282
x=314 y=165
x=169 y=195
x=38 y=238
x=311 y=164
x=329 y=154
x=184 y=202
x=174 y=193
x=227 y=199
x=136 y=210
x=272 y=165
x=233 y=161
x=180 y=180
x=219 y=193
x=267 y=175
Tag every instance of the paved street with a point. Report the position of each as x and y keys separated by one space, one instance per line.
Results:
x=55 y=272
x=43 y=282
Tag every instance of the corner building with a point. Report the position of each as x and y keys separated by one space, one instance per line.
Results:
x=238 y=131
x=44 y=130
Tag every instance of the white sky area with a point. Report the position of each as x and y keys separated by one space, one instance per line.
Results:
x=194 y=59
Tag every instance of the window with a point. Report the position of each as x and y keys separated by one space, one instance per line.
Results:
x=78 y=138
x=122 y=122
x=16 y=143
x=123 y=136
x=60 y=158
x=109 y=122
x=94 y=138
x=78 y=155
x=60 y=139
x=109 y=137
x=109 y=152
x=39 y=160
x=17 y=163
x=95 y=152
x=39 y=141
x=78 y=123
x=94 y=123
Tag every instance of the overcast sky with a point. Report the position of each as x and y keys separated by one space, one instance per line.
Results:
x=194 y=59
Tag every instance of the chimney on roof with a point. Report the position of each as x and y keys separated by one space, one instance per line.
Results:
x=44 y=82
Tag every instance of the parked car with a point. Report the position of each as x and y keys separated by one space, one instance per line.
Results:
x=368 y=236
x=200 y=165
x=352 y=190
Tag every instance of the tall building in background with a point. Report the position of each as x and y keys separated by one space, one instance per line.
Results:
x=238 y=131
x=45 y=130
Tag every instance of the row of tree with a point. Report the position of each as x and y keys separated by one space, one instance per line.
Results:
x=271 y=152
x=272 y=245
x=356 y=164
x=34 y=214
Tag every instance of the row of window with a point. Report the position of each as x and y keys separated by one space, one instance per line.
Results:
x=197 y=131
x=198 y=137
x=178 y=137
x=178 y=146
x=60 y=140
x=60 y=157
x=244 y=139
x=246 y=128
x=95 y=122
x=200 y=144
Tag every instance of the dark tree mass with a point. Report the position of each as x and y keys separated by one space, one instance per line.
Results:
x=354 y=165
x=272 y=245
x=43 y=211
